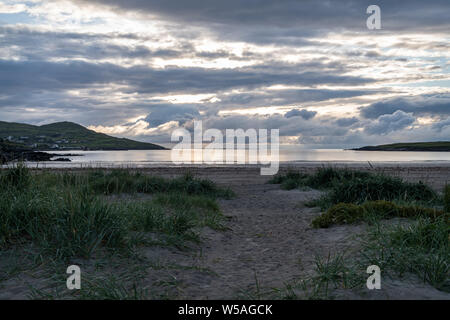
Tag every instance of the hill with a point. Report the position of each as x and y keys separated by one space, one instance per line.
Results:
x=415 y=146
x=67 y=136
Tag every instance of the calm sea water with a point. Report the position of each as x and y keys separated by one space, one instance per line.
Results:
x=287 y=153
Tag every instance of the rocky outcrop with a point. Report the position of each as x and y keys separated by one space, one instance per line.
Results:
x=14 y=151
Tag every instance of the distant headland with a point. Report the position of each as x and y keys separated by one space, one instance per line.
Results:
x=67 y=136
x=20 y=141
x=441 y=146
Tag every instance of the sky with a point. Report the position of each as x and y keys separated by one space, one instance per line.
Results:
x=312 y=69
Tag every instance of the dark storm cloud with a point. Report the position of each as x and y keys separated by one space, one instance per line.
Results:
x=418 y=105
x=305 y=114
x=390 y=122
x=19 y=76
x=257 y=15
x=61 y=75
x=415 y=45
x=290 y=96
x=37 y=45
x=40 y=45
x=161 y=114
x=351 y=14
x=346 y=122
x=292 y=126
x=439 y=126
x=27 y=33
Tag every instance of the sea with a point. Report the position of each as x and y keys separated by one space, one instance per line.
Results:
x=287 y=154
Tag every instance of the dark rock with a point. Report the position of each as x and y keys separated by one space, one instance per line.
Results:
x=62 y=159
x=14 y=151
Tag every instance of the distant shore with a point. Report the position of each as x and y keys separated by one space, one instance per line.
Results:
x=440 y=146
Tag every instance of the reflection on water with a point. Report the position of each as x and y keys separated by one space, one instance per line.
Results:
x=288 y=153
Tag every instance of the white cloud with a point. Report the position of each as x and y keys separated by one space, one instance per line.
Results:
x=101 y=63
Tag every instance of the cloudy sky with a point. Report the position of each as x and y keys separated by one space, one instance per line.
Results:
x=312 y=69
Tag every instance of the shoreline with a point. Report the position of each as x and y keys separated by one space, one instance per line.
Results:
x=163 y=164
x=436 y=174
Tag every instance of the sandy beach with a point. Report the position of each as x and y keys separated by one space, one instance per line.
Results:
x=269 y=241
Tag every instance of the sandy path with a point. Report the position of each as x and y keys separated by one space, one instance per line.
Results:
x=270 y=241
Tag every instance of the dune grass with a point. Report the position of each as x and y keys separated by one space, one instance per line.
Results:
x=65 y=214
x=354 y=196
x=117 y=181
x=59 y=217
x=419 y=247
x=348 y=186
x=323 y=178
x=447 y=198
x=347 y=213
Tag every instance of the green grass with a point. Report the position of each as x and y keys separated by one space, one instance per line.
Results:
x=447 y=198
x=323 y=178
x=421 y=248
x=55 y=218
x=347 y=186
x=353 y=196
x=348 y=213
x=16 y=178
x=331 y=272
x=175 y=218
x=119 y=181
x=113 y=288
x=61 y=224
x=66 y=215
